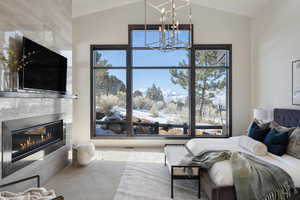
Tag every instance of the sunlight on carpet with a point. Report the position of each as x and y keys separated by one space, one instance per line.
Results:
x=146 y=178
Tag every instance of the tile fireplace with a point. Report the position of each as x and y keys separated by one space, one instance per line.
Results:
x=27 y=140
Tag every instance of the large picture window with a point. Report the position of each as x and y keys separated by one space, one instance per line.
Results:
x=140 y=91
x=212 y=89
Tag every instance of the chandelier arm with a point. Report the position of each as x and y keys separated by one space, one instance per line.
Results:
x=162 y=4
x=169 y=28
x=153 y=6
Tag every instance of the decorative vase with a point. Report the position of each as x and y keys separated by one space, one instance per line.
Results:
x=9 y=80
x=14 y=81
x=4 y=79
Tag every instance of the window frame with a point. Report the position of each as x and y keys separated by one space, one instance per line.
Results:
x=227 y=47
x=129 y=86
x=92 y=85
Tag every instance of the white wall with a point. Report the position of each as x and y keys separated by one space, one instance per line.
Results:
x=275 y=43
x=111 y=27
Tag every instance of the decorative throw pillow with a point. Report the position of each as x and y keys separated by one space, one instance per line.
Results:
x=264 y=125
x=277 y=142
x=258 y=132
x=293 y=147
x=253 y=125
x=280 y=128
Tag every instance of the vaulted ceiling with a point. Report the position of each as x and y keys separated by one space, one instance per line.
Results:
x=242 y=7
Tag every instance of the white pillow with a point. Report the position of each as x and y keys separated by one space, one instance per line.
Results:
x=253 y=146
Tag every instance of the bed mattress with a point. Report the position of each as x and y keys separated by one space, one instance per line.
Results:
x=221 y=172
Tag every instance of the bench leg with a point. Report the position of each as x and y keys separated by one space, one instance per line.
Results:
x=165 y=160
x=199 y=190
x=199 y=184
x=172 y=185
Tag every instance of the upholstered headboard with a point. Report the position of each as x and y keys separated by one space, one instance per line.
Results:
x=287 y=117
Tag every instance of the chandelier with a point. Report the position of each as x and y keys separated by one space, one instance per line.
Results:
x=174 y=27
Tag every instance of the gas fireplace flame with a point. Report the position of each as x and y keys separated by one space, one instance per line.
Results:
x=30 y=142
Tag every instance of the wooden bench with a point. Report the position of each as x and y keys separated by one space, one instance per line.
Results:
x=174 y=153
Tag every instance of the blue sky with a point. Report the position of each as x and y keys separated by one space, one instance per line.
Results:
x=144 y=78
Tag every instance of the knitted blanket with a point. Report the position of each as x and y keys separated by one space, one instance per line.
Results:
x=254 y=179
x=30 y=194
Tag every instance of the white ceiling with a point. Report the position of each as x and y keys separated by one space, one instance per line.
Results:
x=242 y=7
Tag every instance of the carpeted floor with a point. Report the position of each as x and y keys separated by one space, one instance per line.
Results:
x=127 y=174
x=146 y=178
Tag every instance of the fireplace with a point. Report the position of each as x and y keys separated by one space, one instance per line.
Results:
x=27 y=140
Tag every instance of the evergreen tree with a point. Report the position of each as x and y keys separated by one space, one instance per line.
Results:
x=104 y=82
x=154 y=93
x=208 y=81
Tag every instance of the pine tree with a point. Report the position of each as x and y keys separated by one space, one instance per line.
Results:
x=154 y=93
x=207 y=80
x=104 y=82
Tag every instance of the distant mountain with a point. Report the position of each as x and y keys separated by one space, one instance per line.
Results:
x=170 y=96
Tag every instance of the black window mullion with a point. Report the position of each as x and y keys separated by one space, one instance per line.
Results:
x=192 y=96
x=229 y=93
x=129 y=92
x=92 y=95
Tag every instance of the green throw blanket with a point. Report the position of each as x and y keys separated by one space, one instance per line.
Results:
x=254 y=179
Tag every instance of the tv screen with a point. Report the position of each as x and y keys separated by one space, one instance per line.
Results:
x=45 y=69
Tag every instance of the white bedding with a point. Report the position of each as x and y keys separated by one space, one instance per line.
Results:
x=221 y=172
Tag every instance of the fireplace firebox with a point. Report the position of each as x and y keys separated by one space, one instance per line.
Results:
x=27 y=140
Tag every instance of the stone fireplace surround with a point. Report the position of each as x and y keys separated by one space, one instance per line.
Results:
x=49 y=165
x=25 y=141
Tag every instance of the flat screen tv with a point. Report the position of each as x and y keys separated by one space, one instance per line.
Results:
x=45 y=69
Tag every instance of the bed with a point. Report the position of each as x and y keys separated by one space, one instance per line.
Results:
x=219 y=187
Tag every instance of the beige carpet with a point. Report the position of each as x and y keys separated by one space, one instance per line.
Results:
x=146 y=178
x=97 y=181
x=120 y=174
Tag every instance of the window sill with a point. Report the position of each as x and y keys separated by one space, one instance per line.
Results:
x=151 y=137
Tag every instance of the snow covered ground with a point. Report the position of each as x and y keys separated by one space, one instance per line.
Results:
x=163 y=117
x=146 y=115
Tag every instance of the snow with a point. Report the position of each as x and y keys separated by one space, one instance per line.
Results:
x=146 y=115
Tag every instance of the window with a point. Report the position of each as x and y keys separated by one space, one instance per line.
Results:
x=212 y=87
x=160 y=104
x=109 y=107
x=141 y=91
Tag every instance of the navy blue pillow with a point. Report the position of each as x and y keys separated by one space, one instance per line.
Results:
x=277 y=142
x=252 y=127
x=260 y=134
x=257 y=133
